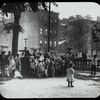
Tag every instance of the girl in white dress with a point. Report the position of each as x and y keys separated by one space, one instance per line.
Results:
x=70 y=75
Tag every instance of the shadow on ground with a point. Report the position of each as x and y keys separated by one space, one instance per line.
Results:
x=94 y=84
x=5 y=79
x=2 y=79
x=63 y=86
x=87 y=77
x=1 y=83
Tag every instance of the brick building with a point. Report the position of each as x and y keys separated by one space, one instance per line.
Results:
x=43 y=30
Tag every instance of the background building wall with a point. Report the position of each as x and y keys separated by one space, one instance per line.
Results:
x=29 y=22
x=6 y=38
x=32 y=23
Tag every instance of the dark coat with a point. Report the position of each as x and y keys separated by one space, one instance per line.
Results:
x=51 y=69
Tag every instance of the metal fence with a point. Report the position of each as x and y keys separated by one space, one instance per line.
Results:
x=85 y=64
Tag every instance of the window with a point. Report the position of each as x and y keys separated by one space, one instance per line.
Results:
x=63 y=24
x=41 y=30
x=55 y=43
x=45 y=42
x=41 y=42
x=55 y=20
x=55 y=32
x=51 y=20
x=50 y=43
x=46 y=31
x=51 y=31
x=94 y=52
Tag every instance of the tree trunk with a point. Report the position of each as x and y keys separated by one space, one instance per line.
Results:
x=15 y=35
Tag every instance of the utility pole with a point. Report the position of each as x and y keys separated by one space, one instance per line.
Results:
x=25 y=42
x=49 y=27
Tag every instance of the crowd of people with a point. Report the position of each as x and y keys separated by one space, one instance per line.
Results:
x=38 y=64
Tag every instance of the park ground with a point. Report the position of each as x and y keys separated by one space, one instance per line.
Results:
x=84 y=87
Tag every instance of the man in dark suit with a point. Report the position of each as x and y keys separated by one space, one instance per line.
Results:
x=26 y=51
x=3 y=62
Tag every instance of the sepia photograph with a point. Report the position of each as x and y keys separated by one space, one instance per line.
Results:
x=49 y=49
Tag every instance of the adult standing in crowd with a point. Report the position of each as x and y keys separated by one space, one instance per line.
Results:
x=94 y=65
x=18 y=62
x=84 y=58
x=46 y=54
x=12 y=65
x=26 y=51
x=3 y=62
x=25 y=64
x=51 y=69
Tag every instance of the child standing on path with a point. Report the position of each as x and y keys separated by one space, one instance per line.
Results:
x=70 y=75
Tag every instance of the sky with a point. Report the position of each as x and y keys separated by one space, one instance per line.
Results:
x=66 y=9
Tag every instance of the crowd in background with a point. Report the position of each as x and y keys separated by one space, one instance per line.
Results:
x=38 y=64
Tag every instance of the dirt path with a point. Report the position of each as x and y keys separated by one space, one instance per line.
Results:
x=49 y=88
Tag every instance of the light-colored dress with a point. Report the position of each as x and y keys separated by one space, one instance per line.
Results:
x=70 y=74
x=12 y=64
x=94 y=61
x=17 y=74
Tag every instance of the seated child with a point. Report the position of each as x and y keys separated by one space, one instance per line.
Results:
x=17 y=74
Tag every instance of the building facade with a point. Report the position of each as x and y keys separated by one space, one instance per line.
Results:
x=62 y=45
x=35 y=34
x=5 y=37
x=92 y=46
x=44 y=27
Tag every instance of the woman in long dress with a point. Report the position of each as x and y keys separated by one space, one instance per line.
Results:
x=32 y=66
x=39 y=69
x=12 y=65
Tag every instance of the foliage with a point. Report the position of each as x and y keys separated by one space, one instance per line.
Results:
x=95 y=31
x=17 y=8
x=79 y=29
x=11 y=26
x=21 y=7
x=77 y=32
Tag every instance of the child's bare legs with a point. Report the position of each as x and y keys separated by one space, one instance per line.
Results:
x=72 y=84
x=68 y=83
